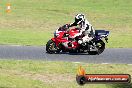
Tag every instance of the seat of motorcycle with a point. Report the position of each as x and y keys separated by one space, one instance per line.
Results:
x=100 y=32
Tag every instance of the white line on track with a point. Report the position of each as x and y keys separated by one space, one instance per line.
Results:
x=104 y=63
x=76 y=62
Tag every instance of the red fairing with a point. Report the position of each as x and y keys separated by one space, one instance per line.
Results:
x=75 y=44
x=53 y=39
x=72 y=32
x=60 y=38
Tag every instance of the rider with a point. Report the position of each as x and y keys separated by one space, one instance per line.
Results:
x=85 y=28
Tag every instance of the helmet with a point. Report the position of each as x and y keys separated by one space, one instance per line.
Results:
x=79 y=18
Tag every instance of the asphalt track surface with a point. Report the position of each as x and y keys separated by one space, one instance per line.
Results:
x=115 y=55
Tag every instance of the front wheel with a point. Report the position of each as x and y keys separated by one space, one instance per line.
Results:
x=100 y=47
x=51 y=47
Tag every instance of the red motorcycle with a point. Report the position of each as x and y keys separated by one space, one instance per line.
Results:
x=64 y=41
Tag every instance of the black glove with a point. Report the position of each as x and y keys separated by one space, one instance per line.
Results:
x=66 y=26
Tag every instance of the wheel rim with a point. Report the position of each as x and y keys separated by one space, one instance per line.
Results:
x=100 y=46
x=52 y=46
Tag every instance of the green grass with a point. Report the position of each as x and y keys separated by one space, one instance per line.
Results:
x=36 y=20
x=47 y=74
x=21 y=37
x=120 y=40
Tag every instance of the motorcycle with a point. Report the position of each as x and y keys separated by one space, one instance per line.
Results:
x=63 y=41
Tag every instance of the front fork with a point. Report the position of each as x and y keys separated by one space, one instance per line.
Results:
x=55 y=45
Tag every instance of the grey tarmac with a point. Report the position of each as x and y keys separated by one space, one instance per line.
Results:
x=110 y=55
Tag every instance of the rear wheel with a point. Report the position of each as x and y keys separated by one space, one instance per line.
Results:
x=100 y=46
x=51 y=47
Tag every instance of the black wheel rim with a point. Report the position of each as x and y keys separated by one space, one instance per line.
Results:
x=51 y=47
x=100 y=46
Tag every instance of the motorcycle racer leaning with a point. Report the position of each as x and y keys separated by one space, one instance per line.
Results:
x=85 y=28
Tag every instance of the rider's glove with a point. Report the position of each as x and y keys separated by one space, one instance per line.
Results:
x=66 y=26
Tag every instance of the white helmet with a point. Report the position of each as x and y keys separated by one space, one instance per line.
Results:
x=79 y=18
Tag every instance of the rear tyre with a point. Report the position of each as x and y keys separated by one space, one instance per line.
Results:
x=51 y=47
x=100 y=45
x=92 y=52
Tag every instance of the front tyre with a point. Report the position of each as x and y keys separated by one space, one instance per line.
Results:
x=51 y=47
